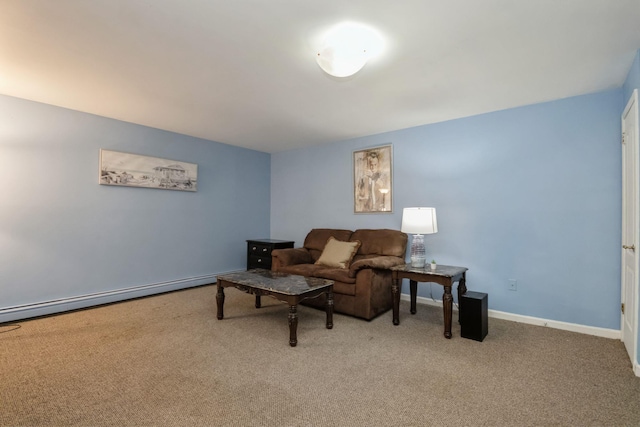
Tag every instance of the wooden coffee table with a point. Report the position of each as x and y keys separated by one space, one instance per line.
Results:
x=285 y=287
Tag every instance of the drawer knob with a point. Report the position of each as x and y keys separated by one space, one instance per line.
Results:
x=254 y=248
x=264 y=249
x=259 y=260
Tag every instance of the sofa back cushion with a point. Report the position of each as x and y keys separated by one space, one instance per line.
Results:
x=318 y=237
x=381 y=242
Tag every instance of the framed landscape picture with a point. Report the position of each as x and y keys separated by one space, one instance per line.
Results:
x=134 y=170
x=372 y=175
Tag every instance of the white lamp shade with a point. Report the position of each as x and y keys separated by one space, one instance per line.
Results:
x=419 y=221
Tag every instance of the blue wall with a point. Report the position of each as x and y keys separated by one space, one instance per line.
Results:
x=531 y=194
x=633 y=79
x=64 y=236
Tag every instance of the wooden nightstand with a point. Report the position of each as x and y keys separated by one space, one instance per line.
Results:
x=259 y=251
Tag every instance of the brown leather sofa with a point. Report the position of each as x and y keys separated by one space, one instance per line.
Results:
x=364 y=288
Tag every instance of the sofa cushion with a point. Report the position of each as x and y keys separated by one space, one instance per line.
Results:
x=338 y=254
x=344 y=288
x=291 y=256
x=339 y=275
x=317 y=239
x=307 y=270
x=381 y=242
x=381 y=262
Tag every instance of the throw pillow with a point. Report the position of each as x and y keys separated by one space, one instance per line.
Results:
x=337 y=253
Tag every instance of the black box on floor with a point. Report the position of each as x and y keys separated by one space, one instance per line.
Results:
x=474 y=318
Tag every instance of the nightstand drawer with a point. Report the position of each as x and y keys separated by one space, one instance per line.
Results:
x=256 y=261
x=259 y=252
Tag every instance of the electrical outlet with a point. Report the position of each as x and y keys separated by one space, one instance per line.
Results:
x=512 y=285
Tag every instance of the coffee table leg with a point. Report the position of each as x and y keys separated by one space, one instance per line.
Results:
x=329 y=309
x=395 y=293
x=447 y=302
x=413 y=290
x=220 y=301
x=293 y=325
x=258 y=302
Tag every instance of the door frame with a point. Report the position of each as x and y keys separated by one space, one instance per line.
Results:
x=632 y=103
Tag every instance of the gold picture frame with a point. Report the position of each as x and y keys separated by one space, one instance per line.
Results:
x=372 y=180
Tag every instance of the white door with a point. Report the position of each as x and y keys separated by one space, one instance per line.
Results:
x=630 y=214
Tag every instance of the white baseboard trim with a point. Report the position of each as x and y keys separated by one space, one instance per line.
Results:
x=26 y=311
x=573 y=327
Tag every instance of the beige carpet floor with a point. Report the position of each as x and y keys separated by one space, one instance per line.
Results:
x=167 y=361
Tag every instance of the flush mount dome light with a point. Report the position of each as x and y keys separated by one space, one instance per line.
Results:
x=347 y=48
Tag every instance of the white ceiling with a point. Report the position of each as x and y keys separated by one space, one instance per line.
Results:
x=243 y=72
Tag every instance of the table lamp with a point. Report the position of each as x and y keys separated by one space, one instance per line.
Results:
x=419 y=221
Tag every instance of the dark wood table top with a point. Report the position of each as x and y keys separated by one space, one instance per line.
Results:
x=441 y=270
x=272 y=281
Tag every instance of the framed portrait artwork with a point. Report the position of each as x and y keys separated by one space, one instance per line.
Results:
x=372 y=175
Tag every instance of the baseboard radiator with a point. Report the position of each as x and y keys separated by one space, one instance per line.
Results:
x=26 y=311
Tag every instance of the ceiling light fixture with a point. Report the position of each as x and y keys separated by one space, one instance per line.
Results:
x=347 y=48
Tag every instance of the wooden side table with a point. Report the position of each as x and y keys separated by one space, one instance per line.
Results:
x=444 y=275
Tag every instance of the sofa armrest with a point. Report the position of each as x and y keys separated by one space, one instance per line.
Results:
x=290 y=256
x=379 y=262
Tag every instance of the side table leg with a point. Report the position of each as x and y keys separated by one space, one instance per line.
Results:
x=462 y=285
x=395 y=293
x=413 y=290
x=293 y=325
x=258 y=302
x=329 y=309
x=447 y=302
x=462 y=289
x=220 y=301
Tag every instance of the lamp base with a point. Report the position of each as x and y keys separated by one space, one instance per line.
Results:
x=418 y=262
x=418 y=257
